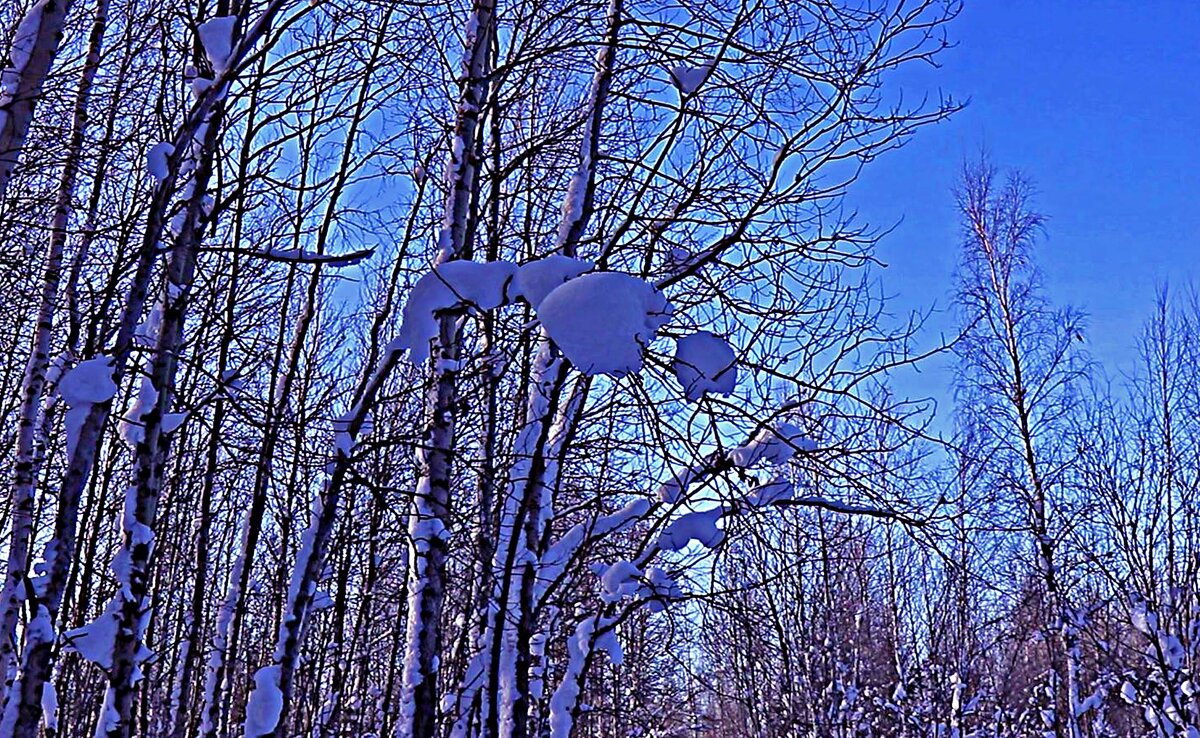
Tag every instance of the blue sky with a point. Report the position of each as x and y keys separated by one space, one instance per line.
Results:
x=1098 y=103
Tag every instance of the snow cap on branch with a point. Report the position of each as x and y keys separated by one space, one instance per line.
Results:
x=689 y=78
x=481 y=285
x=538 y=278
x=694 y=526
x=779 y=489
x=90 y=382
x=603 y=321
x=304 y=256
x=619 y=580
x=704 y=363
x=772 y=446
x=216 y=36
x=660 y=588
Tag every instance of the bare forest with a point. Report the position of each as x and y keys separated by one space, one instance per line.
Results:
x=516 y=369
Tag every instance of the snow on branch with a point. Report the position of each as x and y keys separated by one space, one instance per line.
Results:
x=481 y=285
x=88 y=384
x=848 y=509
x=772 y=445
x=688 y=78
x=216 y=36
x=540 y=277
x=303 y=256
x=601 y=321
x=704 y=362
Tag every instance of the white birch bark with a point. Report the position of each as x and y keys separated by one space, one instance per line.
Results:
x=23 y=708
x=35 y=44
x=500 y=667
x=277 y=677
x=132 y=561
x=29 y=425
x=419 y=701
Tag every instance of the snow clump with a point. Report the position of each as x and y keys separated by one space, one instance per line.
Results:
x=538 y=278
x=265 y=704
x=157 y=160
x=478 y=284
x=216 y=36
x=772 y=446
x=689 y=78
x=704 y=363
x=695 y=526
x=90 y=382
x=603 y=321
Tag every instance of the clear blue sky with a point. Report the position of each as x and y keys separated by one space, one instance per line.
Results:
x=1099 y=103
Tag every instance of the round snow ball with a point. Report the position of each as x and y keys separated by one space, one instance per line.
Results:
x=704 y=362
x=88 y=383
x=602 y=321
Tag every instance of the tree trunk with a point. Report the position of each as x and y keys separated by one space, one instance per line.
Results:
x=24 y=704
x=28 y=425
x=43 y=25
x=181 y=719
x=141 y=501
x=428 y=523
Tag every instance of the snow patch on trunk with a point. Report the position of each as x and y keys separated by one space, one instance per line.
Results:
x=94 y=641
x=89 y=383
x=265 y=704
x=157 y=160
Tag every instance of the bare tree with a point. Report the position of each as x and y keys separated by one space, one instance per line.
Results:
x=31 y=425
x=1019 y=381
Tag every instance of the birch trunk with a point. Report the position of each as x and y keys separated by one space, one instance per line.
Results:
x=33 y=385
x=231 y=614
x=229 y=617
x=23 y=710
x=180 y=719
x=39 y=34
x=555 y=424
x=431 y=504
x=141 y=502
x=503 y=666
